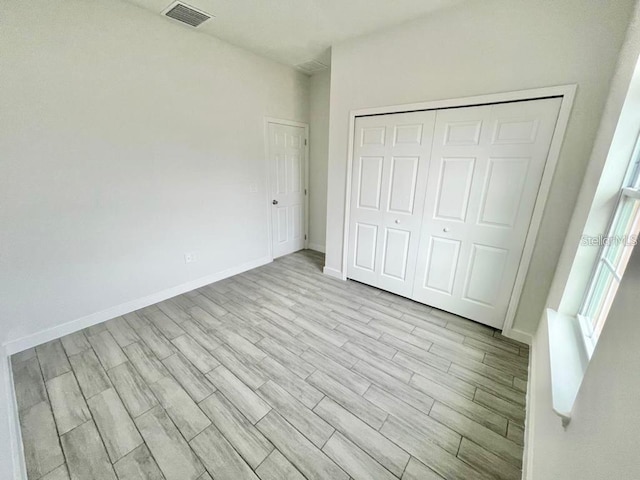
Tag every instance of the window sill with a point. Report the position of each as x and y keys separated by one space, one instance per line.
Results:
x=569 y=360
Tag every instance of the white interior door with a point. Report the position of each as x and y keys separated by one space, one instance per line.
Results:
x=389 y=177
x=485 y=171
x=287 y=163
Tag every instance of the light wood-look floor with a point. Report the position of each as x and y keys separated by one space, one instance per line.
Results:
x=277 y=373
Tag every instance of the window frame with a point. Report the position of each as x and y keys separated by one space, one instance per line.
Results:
x=629 y=191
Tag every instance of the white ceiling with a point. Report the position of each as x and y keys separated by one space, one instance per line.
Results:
x=297 y=31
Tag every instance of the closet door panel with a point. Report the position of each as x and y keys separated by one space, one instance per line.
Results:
x=485 y=171
x=388 y=181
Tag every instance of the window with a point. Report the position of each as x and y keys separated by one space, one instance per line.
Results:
x=615 y=250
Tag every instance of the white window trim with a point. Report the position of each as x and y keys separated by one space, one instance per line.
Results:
x=572 y=339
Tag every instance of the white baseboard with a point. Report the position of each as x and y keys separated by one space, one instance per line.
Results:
x=332 y=272
x=72 y=326
x=317 y=247
x=16 y=455
x=527 y=461
x=517 y=335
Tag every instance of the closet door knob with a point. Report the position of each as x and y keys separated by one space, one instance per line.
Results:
x=397 y=221
x=445 y=229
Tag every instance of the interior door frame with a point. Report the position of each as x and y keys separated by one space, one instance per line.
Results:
x=565 y=92
x=289 y=123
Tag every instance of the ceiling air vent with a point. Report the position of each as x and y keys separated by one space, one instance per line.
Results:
x=186 y=14
x=311 y=67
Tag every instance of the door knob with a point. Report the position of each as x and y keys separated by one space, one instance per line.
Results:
x=275 y=202
x=445 y=229
x=397 y=221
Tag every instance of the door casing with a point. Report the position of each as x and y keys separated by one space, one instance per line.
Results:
x=267 y=198
x=566 y=92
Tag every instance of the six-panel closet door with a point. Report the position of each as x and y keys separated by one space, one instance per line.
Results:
x=389 y=176
x=441 y=202
x=484 y=175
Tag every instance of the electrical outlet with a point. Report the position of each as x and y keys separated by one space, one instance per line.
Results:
x=253 y=188
x=189 y=257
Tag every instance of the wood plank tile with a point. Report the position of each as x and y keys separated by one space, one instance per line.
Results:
x=331 y=336
x=277 y=467
x=89 y=372
x=519 y=384
x=245 y=438
x=53 y=360
x=485 y=461
x=42 y=451
x=240 y=345
x=136 y=321
x=435 y=457
x=138 y=465
x=250 y=404
x=479 y=434
x=29 y=384
x=515 y=433
x=450 y=381
x=122 y=333
x=75 y=343
x=473 y=410
x=282 y=336
x=116 y=428
x=172 y=453
x=174 y=311
x=86 y=455
x=293 y=384
x=353 y=460
x=435 y=431
x=418 y=471
x=189 y=377
x=219 y=456
x=346 y=377
x=167 y=327
x=377 y=446
x=368 y=344
x=23 y=356
x=488 y=384
x=209 y=306
x=108 y=351
x=145 y=362
x=337 y=354
x=306 y=457
x=286 y=358
x=356 y=404
x=197 y=355
x=157 y=343
x=381 y=364
x=513 y=368
x=180 y=407
x=200 y=335
x=510 y=410
x=246 y=371
x=60 y=473
x=95 y=329
x=134 y=392
x=68 y=404
x=302 y=418
x=457 y=347
x=404 y=392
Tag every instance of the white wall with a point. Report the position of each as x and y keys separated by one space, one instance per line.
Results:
x=479 y=48
x=126 y=140
x=601 y=442
x=319 y=157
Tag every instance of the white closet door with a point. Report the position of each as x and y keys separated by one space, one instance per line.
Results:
x=485 y=171
x=390 y=163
